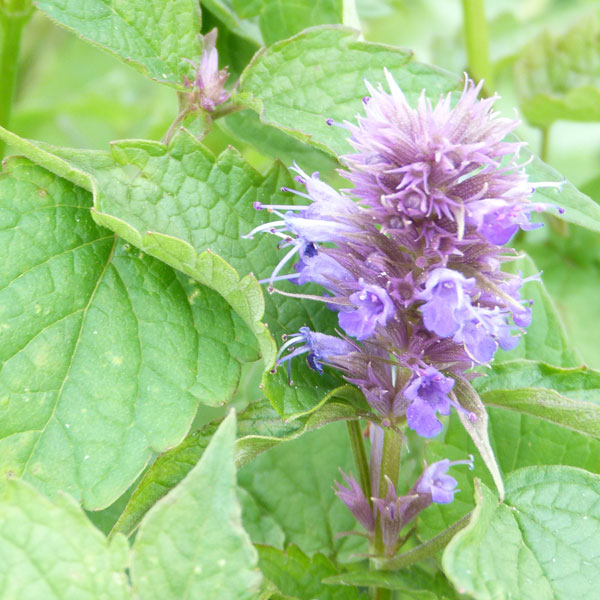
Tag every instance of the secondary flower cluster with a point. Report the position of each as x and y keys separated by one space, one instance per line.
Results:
x=411 y=258
x=434 y=485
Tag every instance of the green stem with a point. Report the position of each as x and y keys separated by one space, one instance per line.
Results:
x=11 y=27
x=360 y=456
x=544 y=143
x=476 y=36
x=390 y=467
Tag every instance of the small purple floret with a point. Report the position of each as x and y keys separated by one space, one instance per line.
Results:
x=437 y=483
x=446 y=294
x=321 y=348
x=429 y=394
x=373 y=307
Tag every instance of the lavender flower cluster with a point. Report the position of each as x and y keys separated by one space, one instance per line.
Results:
x=411 y=259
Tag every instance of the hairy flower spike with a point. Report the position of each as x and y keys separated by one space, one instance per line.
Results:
x=410 y=257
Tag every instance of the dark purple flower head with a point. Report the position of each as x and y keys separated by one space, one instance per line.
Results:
x=210 y=81
x=373 y=307
x=427 y=161
x=354 y=498
x=437 y=484
x=428 y=393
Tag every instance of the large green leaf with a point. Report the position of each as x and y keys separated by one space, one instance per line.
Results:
x=259 y=428
x=559 y=78
x=542 y=543
x=153 y=36
x=280 y=19
x=52 y=552
x=189 y=208
x=86 y=394
x=297 y=84
x=295 y=574
x=293 y=483
x=192 y=543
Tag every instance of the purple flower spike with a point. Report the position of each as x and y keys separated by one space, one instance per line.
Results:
x=445 y=294
x=436 y=483
x=429 y=395
x=354 y=498
x=373 y=307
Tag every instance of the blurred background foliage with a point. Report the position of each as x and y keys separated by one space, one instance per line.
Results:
x=545 y=60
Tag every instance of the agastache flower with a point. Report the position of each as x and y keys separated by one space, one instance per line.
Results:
x=410 y=258
x=437 y=484
x=373 y=307
x=428 y=393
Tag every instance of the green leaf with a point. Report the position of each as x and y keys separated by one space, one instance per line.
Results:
x=295 y=574
x=192 y=544
x=477 y=429
x=259 y=429
x=297 y=84
x=280 y=19
x=559 y=78
x=293 y=483
x=261 y=528
x=274 y=143
x=578 y=383
x=86 y=395
x=51 y=551
x=188 y=208
x=583 y=417
x=571 y=272
x=235 y=23
x=413 y=582
x=572 y=400
x=546 y=339
x=152 y=36
x=579 y=208
x=543 y=542
x=82 y=96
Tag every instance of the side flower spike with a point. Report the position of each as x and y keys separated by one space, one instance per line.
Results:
x=354 y=498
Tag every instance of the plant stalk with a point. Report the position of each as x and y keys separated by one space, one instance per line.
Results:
x=360 y=456
x=11 y=28
x=476 y=36
x=545 y=131
x=390 y=467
